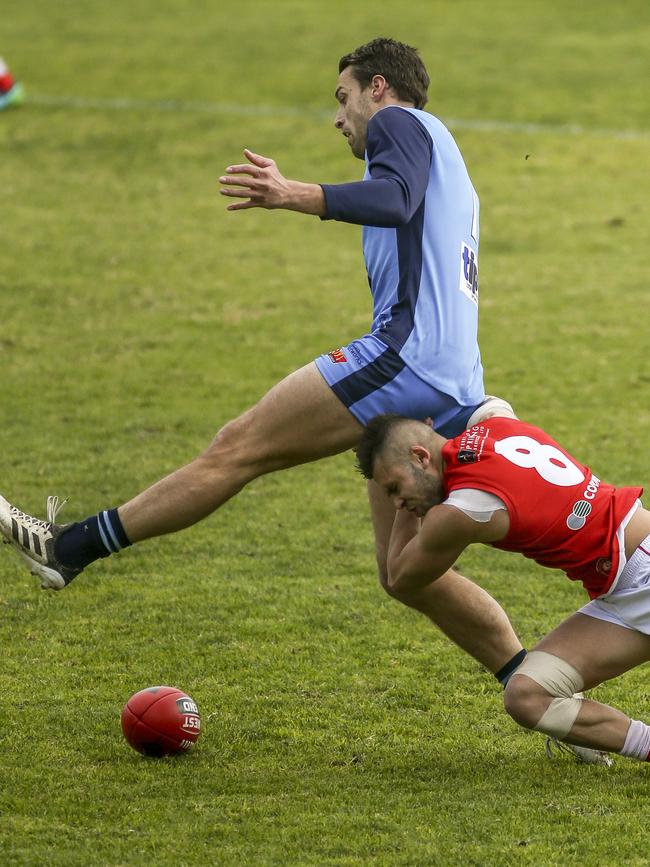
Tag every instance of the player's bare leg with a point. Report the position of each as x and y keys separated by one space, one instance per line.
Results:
x=598 y=651
x=465 y=612
x=299 y=420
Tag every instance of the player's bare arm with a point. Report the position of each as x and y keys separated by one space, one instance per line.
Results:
x=421 y=551
x=262 y=185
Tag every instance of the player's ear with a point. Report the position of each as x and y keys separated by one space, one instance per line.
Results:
x=378 y=87
x=422 y=455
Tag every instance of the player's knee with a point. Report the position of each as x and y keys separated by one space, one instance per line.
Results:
x=545 y=694
x=228 y=439
x=244 y=445
x=525 y=701
x=233 y=449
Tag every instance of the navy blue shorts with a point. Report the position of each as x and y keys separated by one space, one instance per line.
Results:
x=370 y=378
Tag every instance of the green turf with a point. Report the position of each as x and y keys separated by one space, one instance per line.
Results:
x=138 y=316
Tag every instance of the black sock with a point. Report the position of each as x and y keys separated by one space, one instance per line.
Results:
x=98 y=536
x=504 y=674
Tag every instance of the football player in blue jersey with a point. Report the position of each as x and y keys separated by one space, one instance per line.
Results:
x=420 y=357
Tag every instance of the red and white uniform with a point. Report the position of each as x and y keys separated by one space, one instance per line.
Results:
x=561 y=514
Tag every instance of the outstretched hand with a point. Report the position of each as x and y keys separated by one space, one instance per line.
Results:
x=259 y=182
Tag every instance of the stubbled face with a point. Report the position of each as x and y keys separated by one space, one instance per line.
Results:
x=355 y=110
x=410 y=486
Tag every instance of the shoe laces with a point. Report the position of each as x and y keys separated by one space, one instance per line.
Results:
x=32 y=523
x=553 y=742
x=54 y=507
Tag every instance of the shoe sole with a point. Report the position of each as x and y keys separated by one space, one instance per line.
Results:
x=590 y=756
x=50 y=580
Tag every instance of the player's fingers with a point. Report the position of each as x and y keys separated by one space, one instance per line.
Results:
x=242 y=206
x=258 y=159
x=235 y=181
x=238 y=193
x=246 y=169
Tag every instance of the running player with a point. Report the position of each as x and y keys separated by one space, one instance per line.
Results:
x=508 y=484
x=421 y=358
x=11 y=91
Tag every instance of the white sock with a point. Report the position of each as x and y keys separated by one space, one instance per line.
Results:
x=637 y=742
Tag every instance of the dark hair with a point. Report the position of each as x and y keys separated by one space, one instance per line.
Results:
x=374 y=439
x=400 y=65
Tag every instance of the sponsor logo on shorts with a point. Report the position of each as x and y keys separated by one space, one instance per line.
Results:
x=579 y=514
x=337 y=356
x=468 y=283
x=354 y=352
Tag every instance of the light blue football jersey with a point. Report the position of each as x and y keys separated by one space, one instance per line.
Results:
x=420 y=218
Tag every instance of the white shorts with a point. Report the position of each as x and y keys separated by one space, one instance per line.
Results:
x=629 y=604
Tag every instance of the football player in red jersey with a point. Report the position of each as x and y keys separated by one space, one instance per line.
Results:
x=506 y=483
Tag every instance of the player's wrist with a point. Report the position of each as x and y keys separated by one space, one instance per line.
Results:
x=306 y=198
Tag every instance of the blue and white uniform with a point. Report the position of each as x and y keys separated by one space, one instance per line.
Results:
x=420 y=218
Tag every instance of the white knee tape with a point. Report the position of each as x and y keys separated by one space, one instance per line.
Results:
x=490 y=406
x=559 y=717
x=559 y=679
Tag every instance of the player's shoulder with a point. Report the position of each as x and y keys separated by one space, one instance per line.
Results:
x=399 y=119
x=501 y=423
x=500 y=426
x=445 y=522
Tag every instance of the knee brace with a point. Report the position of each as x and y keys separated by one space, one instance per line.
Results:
x=562 y=681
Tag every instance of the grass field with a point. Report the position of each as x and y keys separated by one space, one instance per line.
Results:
x=138 y=316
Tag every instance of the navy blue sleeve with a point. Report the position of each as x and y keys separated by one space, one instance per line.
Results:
x=399 y=151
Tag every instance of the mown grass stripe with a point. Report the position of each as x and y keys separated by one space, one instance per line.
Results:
x=203 y=107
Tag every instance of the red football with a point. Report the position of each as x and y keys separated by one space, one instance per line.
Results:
x=161 y=721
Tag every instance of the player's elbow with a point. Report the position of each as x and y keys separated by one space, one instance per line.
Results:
x=400 y=217
x=389 y=218
x=391 y=582
x=398 y=577
x=403 y=584
x=399 y=213
x=397 y=209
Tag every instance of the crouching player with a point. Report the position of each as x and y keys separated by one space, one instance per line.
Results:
x=508 y=484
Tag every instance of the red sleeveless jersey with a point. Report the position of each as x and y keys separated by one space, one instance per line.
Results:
x=561 y=515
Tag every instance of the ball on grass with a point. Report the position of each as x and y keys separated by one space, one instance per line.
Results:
x=161 y=721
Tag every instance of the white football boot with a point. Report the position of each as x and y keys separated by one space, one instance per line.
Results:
x=587 y=755
x=34 y=541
